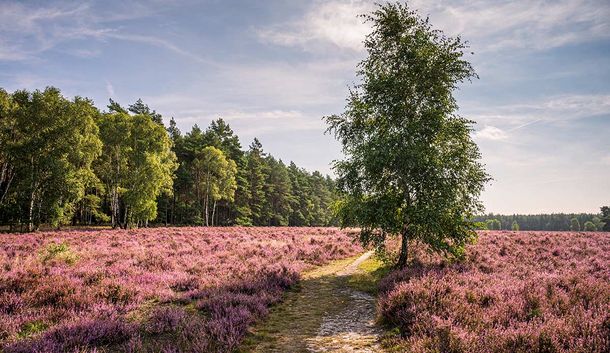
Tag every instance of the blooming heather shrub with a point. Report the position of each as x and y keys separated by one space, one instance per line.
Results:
x=151 y=290
x=165 y=319
x=517 y=292
x=78 y=336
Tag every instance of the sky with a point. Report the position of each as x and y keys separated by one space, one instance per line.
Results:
x=272 y=69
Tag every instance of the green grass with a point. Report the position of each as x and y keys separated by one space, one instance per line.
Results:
x=32 y=328
x=371 y=272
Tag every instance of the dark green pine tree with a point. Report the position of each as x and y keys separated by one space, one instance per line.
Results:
x=278 y=190
x=256 y=170
x=140 y=108
x=299 y=215
x=605 y=211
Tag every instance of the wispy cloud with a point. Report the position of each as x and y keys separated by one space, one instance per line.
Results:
x=554 y=110
x=28 y=31
x=538 y=24
x=247 y=120
x=157 y=42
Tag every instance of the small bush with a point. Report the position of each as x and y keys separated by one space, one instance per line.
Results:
x=59 y=251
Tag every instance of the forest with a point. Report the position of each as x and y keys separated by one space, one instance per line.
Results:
x=551 y=222
x=65 y=162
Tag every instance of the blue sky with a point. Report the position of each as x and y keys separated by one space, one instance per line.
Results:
x=273 y=68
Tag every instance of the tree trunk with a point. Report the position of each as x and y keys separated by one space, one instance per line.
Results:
x=39 y=218
x=31 y=212
x=166 y=212
x=207 y=199
x=32 y=197
x=213 y=212
x=125 y=218
x=404 y=249
x=114 y=205
x=5 y=180
x=174 y=209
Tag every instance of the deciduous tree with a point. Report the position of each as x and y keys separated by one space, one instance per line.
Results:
x=48 y=146
x=137 y=165
x=214 y=177
x=411 y=167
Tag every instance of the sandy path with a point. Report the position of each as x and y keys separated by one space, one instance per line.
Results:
x=324 y=315
x=353 y=328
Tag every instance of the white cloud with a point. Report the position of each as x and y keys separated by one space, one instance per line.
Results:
x=491 y=133
x=327 y=22
x=249 y=120
x=490 y=25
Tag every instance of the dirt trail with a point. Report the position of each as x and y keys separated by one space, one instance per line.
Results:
x=324 y=315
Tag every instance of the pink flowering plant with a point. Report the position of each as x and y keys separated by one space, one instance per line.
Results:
x=516 y=292
x=165 y=289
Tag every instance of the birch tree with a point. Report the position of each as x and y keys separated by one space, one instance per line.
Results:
x=411 y=167
x=214 y=177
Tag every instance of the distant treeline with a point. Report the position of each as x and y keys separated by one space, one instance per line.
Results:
x=65 y=162
x=554 y=221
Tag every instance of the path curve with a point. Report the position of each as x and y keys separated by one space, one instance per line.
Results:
x=324 y=313
x=352 y=329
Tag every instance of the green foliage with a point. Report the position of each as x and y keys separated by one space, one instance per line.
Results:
x=493 y=224
x=255 y=174
x=548 y=222
x=64 y=162
x=574 y=224
x=605 y=218
x=597 y=222
x=412 y=168
x=590 y=227
x=59 y=251
x=515 y=225
x=48 y=146
x=137 y=165
x=214 y=177
x=31 y=328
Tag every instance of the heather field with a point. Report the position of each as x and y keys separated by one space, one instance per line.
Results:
x=166 y=289
x=517 y=292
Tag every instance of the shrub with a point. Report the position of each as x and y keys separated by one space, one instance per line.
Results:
x=131 y=291
x=548 y=293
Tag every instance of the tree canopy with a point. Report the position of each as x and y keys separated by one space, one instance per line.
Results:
x=48 y=146
x=65 y=162
x=411 y=167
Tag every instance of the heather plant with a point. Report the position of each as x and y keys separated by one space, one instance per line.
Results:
x=151 y=290
x=516 y=292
